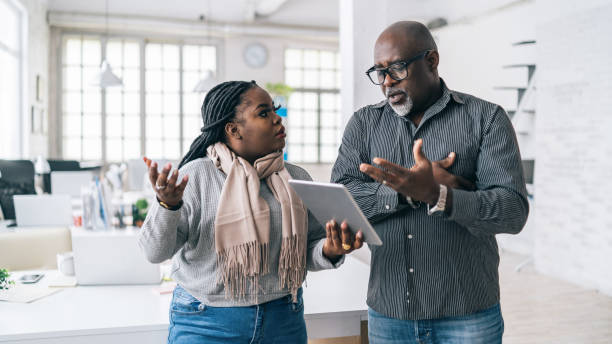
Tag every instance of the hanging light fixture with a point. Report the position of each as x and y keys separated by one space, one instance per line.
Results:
x=105 y=77
x=208 y=79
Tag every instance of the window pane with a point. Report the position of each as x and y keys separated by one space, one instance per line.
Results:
x=208 y=58
x=114 y=126
x=72 y=102
x=114 y=149
x=311 y=59
x=154 y=148
x=131 y=127
x=131 y=54
x=328 y=79
x=293 y=58
x=72 y=52
x=91 y=53
x=310 y=136
x=10 y=19
x=72 y=125
x=328 y=60
x=131 y=149
x=171 y=81
x=72 y=148
x=171 y=104
x=92 y=149
x=294 y=77
x=311 y=79
x=114 y=55
x=295 y=101
x=172 y=149
x=154 y=127
x=311 y=119
x=295 y=119
x=328 y=102
x=171 y=127
x=310 y=101
x=171 y=56
x=72 y=78
x=294 y=153
x=153 y=81
x=154 y=104
x=92 y=102
x=191 y=57
x=131 y=79
x=295 y=135
x=131 y=103
x=310 y=153
x=191 y=127
x=328 y=136
x=153 y=56
x=328 y=154
x=113 y=101
x=91 y=126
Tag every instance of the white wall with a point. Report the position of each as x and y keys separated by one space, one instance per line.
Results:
x=38 y=65
x=573 y=126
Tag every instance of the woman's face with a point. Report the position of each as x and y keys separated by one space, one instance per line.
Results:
x=258 y=127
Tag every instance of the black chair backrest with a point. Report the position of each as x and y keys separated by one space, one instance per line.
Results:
x=16 y=178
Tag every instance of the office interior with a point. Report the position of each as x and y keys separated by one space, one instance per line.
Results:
x=88 y=88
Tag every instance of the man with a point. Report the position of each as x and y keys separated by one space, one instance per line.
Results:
x=435 y=277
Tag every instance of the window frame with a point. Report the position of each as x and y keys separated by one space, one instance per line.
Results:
x=23 y=122
x=142 y=40
x=318 y=91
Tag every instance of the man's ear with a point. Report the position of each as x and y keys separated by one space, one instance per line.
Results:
x=433 y=59
x=233 y=131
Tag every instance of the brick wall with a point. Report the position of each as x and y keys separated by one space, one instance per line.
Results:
x=574 y=143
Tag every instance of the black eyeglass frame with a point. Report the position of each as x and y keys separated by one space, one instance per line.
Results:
x=385 y=70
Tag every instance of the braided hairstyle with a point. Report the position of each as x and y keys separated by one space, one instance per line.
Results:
x=219 y=107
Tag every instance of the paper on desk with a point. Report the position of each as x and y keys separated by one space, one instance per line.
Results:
x=26 y=293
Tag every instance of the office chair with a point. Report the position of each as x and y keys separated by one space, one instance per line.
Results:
x=16 y=178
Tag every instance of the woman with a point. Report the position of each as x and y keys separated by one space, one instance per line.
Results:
x=240 y=238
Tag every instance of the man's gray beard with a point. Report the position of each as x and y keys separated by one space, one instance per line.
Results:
x=404 y=108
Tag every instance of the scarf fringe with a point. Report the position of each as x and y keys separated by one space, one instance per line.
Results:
x=292 y=264
x=240 y=265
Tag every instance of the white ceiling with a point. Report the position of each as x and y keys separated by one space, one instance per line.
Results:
x=291 y=12
x=310 y=13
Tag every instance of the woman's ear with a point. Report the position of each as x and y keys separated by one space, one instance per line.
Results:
x=233 y=131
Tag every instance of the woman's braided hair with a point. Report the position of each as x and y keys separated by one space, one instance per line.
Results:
x=219 y=107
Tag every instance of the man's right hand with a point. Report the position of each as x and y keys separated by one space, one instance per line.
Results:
x=165 y=187
x=442 y=176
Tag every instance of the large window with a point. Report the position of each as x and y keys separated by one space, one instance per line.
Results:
x=11 y=80
x=313 y=116
x=155 y=112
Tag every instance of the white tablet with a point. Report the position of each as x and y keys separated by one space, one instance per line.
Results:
x=329 y=201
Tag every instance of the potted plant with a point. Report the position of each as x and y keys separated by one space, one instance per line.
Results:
x=5 y=283
x=280 y=92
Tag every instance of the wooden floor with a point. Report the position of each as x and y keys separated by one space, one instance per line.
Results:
x=541 y=309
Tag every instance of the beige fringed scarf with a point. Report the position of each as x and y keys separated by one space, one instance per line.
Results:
x=242 y=225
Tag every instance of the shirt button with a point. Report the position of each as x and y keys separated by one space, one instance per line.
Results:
x=409 y=236
x=411 y=270
x=387 y=206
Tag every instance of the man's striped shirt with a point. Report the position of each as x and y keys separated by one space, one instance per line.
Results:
x=437 y=266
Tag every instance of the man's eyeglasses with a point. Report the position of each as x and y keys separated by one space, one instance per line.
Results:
x=397 y=71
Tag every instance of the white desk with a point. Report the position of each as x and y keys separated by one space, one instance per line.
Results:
x=334 y=305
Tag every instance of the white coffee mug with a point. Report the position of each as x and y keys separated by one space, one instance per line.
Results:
x=65 y=263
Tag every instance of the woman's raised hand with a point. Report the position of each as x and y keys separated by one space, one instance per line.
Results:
x=166 y=188
x=340 y=240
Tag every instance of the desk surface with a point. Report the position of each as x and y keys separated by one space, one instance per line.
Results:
x=91 y=310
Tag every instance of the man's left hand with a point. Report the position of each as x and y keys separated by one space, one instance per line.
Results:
x=417 y=182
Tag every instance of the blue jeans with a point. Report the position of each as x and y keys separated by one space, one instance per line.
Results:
x=277 y=321
x=485 y=327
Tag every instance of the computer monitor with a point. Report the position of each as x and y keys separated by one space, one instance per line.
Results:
x=43 y=210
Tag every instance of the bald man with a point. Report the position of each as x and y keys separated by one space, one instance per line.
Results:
x=435 y=278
